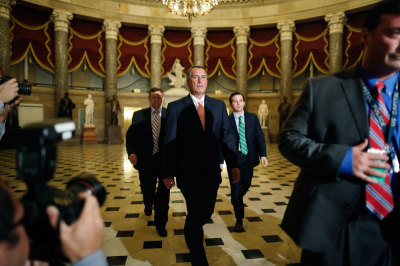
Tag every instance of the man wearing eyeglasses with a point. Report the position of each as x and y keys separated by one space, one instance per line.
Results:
x=81 y=241
x=197 y=136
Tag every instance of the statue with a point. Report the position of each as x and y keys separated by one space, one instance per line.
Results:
x=284 y=110
x=115 y=109
x=177 y=80
x=89 y=110
x=65 y=107
x=263 y=114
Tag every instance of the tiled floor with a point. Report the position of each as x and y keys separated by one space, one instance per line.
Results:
x=130 y=236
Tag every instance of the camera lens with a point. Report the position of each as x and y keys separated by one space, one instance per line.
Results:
x=87 y=183
x=24 y=88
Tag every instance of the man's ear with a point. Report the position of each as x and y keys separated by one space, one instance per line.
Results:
x=365 y=34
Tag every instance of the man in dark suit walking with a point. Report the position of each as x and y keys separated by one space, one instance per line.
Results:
x=339 y=213
x=250 y=143
x=143 y=143
x=197 y=135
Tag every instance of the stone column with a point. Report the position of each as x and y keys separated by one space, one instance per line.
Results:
x=61 y=20
x=198 y=35
x=335 y=24
x=286 y=30
x=241 y=34
x=5 y=51
x=156 y=33
x=111 y=29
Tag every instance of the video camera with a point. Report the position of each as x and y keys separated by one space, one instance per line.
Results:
x=24 y=88
x=36 y=162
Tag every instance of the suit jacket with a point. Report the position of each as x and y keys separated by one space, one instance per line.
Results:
x=192 y=154
x=255 y=139
x=139 y=137
x=329 y=118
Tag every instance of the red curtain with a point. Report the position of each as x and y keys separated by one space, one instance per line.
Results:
x=176 y=45
x=133 y=48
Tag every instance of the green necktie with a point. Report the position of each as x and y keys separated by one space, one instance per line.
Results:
x=242 y=136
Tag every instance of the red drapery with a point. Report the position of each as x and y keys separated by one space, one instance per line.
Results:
x=33 y=31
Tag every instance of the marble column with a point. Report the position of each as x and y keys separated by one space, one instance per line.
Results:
x=286 y=30
x=241 y=34
x=335 y=24
x=156 y=33
x=61 y=20
x=5 y=51
x=111 y=29
x=198 y=35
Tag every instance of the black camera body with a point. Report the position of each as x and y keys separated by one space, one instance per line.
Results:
x=24 y=88
x=36 y=162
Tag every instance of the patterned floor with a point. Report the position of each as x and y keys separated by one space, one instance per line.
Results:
x=130 y=236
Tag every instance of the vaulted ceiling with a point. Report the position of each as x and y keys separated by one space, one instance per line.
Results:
x=229 y=13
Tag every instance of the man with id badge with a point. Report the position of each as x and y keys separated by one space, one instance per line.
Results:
x=344 y=133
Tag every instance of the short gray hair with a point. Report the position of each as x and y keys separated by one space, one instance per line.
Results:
x=188 y=74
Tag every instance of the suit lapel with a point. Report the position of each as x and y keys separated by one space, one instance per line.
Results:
x=351 y=86
x=233 y=123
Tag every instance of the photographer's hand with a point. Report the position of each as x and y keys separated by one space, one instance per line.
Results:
x=8 y=90
x=7 y=108
x=85 y=235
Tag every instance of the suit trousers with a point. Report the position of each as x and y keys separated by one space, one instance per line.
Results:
x=200 y=205
x=365 y=241
x=240 y=188
x=160 y=197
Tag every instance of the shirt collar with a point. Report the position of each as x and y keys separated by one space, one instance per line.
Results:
x=238 y=115
x=370 y=81
x=196 y=100
x=153 y=109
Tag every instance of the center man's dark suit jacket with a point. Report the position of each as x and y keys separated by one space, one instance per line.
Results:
x=191 y=154
x=139 y=137
x=330 y=116
x=255 y=139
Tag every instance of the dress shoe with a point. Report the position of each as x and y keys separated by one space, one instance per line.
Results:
x=147 y=211
x=238 y=227
x=162 y=232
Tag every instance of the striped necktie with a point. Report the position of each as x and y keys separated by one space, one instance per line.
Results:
x=242 y=136
x=379 y=198
x=155 y=126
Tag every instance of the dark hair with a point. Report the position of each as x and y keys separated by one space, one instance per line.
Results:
x=7 y=212
x=373 y=19
x=152 y=90
x=234 y=94
x=188 y=74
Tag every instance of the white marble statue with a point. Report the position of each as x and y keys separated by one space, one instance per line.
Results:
x=263 y=114
x=177 y=80
x=89 y=108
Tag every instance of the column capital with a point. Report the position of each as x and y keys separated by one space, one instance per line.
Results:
x=241 y=34
x=335 y=22
x=198 y=35
x=5 y=8
x=286 y=30
x=156 y=33
x=61 y=19
x=111 y=27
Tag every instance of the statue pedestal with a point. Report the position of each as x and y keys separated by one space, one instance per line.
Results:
x=114 y=135
x=265 y=131
x=174 y=94
x=89 y=134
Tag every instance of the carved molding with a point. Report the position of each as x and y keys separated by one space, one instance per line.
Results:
x=286 y=30
x=198 y=35
x=111 y=27
x=156 y=33
x=61 y=19
x=336 y=22
x=241 y=34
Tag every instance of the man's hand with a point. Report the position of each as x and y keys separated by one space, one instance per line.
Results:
x=8 y=90
x=85 y=235
x=264 y=161
x=235 y=175
x=169 y=182
x=7 y=108
x=133 y=158
x=364 y=163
